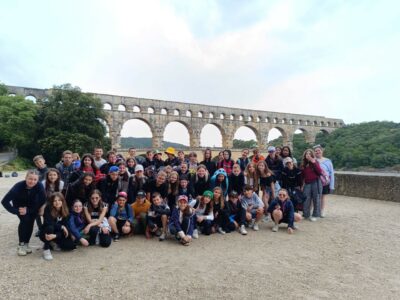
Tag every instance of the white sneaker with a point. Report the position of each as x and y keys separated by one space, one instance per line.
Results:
x=21 y=250
x=255 y=227
x=47 y=254
x=323 y=215
x=242 y=230
x=253 y=221
x=313 y=219
x=221 y=231
x=275 y=228
x=162 y=237
x=28 y=249
x=296 y=226
x=55 y=246
x=266 y=219
x=195 y=234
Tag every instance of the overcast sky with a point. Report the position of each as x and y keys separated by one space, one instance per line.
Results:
x=338 y=59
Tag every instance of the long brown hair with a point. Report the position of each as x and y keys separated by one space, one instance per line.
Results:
x=305 y=161
x=90 y=205
x=173 y=188
x=221 y=197
x=254 y=176
x=56 y=183
x=63 y=212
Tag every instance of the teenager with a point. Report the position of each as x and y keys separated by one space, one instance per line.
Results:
x=97 y=226
x=282 y=211
x=236 y=214
x=111 y=185
x=52 y=182
x=254 y=207
x=55 y=233
x=287 y=152
x=172 y=160
x=40 y=165
x=236 y=180
x=220 y=179
x=220 y=210
x=251 y=175
x=244 y=160
x=257 y=156
x=98 y=157
x=157 y=217
x=204 y=214
x=208 y=162
x=81 y=189
x=159 y=163
x=136 y=183
x=227 y=163
x=24 y=200
x=274 y=163
x=87 y=166
x=66 y=168
x=130 y=165
x=111 y=161
x=121 y=217
x=311 y=170
x=158 y=185
x=200 y=182
x=192 y=163
x=181 y=223
x=266 y=182
x=149 y=161
x=292 y=182
x=140 y=208
x=173 y=189
x=327 y=167
x=77 y=224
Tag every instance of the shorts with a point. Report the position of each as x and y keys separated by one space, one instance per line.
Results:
x=253 y=213
x=326 y=190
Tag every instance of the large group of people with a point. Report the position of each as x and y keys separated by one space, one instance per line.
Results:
x=95 y=201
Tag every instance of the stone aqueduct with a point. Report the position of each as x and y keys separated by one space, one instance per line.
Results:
x=158 y=113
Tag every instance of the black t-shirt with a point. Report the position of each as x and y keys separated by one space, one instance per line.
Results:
x=151 y=187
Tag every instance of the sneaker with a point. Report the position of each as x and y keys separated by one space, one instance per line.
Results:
x=255 y=227
x=28 y=249
x=275 y=228
x=253 y=221
x=158 y=232
x=55 y=246
x=116 y=237
x=313 y=219
x=266 y=219
x=295 y=226
x=221 y=231
x=161 y=237
x=323 y=215
x=195 y=234
x=47 y=254
x=21 y=250
x=242 y=230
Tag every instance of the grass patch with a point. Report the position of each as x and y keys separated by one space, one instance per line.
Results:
x=18 y=164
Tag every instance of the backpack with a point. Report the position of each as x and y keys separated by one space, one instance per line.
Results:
x=324 y=177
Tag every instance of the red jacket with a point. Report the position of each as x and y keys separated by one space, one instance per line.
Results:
x=311 y=172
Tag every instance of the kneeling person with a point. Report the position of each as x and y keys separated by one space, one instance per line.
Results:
x=181 y=223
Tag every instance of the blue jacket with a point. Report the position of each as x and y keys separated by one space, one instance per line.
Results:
x=125 y=214
x=76 y=225
x=174 y=220
x=286 y=207
x=21 y=196
x=224 y=185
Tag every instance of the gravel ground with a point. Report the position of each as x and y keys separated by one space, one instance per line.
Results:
x=351 y=254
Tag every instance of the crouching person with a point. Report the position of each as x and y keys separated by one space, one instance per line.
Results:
x=97 y=226
x=54 y=232
x=237 y=214
x=204 y=214
x=254 y=207
x=181 y=223
x=77 y=223
x=157 y=218
x=121 y=217
x=282 y=211
x=140 y=208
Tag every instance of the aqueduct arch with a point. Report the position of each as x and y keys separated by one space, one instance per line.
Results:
x=158 y=113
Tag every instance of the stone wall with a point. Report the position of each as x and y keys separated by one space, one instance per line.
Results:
x=379 y=186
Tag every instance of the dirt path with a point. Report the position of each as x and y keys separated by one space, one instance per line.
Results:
x=354 y=253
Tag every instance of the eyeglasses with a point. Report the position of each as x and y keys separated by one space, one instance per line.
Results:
x=281 y=194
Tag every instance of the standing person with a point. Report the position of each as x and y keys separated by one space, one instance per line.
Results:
x=158 y=159
x=131 y=153
x=172 y=160
x=98 y=157
x=24 y=200
x=52 y=182
x=208 y=162
x=81 y=189
x=292 y=182
x=158 y=185
x=97 y=226
x=200 y=182
x=111 y=185
x=76 y=160
x=149 y=161
x=257 y=156
x=282 y=211
x=192 y=163
x=327 y=166
x=251 y=176
x=220 y=179
x=41 y=166
x=66 y=168
x=173 y=189
x=55 y=226
x=136 y=183
x=111 y=161
x=236 y=180
x=130 y=165
x=287 y=152
x=181 y=223
x=227 y=163
x=275 y=164
x=254 y=207
x=311 y=171
x=87 y=166
x=266 y=182
x=244 y=160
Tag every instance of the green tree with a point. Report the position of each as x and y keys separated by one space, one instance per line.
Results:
x=17 y=122
x=240 y=144
x=70 y=119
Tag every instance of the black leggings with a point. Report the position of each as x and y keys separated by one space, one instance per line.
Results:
x=105 y=239
x=205 y=226
x=185 y=226
x=65 y=243
x=25 y=228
